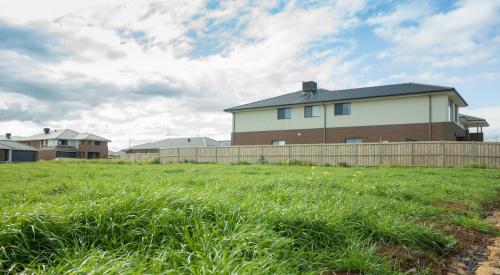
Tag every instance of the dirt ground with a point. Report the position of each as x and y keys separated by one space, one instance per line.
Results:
x=483 y=256
x=492 y=264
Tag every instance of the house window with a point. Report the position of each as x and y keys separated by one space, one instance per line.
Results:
x=278 y=142
x=342 y=109
x=456 y=113
x=450 y=110
x=62 y=142
x=97 y=143
x=354 y=140
x=311 y=111
x=284 y=113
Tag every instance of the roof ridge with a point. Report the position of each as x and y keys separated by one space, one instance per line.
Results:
x=261 y=100
x=324 y=95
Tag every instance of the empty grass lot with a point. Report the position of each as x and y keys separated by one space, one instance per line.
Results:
x=208 y=218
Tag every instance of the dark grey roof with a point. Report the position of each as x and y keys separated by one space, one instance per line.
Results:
x=13 y=145
x=65 y=134
x=470 y=120
x=178 y=142
x=322 y=95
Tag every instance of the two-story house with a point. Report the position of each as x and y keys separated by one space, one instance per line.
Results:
x=393 y=113
x=67 y=143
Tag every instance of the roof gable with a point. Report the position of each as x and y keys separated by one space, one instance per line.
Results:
x=322 y=95
x=65 y=134
x=178 y=142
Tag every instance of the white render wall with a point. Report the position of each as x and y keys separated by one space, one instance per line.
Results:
x=382 y=111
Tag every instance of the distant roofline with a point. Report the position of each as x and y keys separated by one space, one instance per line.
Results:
x=204 y=139
x=43 y=136
x=444 y=89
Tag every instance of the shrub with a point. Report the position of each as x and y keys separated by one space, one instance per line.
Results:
x=343 y=164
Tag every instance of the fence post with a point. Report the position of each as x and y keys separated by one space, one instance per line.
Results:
x=196 y=154
x=357 y=155
x=379 y=153
x=443 y=144
x=321 y=153
x=412 y=154
x=216 y=155
x=178 y=155
x=476 y=157
x=238 y=157
x=289 y=153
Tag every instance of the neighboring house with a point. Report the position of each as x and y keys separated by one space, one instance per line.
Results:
x=225 y=142
x=471 y=122
x=113 y=154
x=67 y=143
x=154 y=147
x=394 y=113
x=13 y=151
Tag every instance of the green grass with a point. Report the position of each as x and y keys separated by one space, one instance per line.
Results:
x=206 y=218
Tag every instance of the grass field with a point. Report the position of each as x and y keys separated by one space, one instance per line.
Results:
x=207 y=218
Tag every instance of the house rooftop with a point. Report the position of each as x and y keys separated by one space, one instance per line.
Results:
x=322 y=95
x=472 y=121
x=65 y=134
x=178 y=142
x=13 y=145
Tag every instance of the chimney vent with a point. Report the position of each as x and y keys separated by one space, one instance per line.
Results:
x=309 y=86
x=8 y=135
x=46 y=130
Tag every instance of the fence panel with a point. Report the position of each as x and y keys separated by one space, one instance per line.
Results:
x=139 y=156
x=432 y=153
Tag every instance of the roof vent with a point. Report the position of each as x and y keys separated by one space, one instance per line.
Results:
x=46 y=130
x=7 y=135
x=309 y=86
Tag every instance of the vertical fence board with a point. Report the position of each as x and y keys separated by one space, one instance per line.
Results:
x=435 y=153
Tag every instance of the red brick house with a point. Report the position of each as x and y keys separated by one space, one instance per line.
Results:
x=67 y=143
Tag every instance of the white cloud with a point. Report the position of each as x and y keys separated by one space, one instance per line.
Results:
x=450 y=39
x=122 y=45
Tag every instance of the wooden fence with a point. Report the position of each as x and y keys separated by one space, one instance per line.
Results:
x=434 y=153
x=138 y=156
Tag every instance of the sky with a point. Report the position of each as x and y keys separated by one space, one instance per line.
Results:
x=138 y=71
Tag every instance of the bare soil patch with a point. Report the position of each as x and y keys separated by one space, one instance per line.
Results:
x=492 y=264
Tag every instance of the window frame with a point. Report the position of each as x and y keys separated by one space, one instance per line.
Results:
x=353 y=138
x=451 y=112
x=284 y=113
x=278 y=142
x=62 y=142
x=312 y=108
x=455 y=114
x=335 y=109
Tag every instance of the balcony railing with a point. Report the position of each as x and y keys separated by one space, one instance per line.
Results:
x=476 y=136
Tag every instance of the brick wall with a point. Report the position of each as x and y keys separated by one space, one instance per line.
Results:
x=87 y=146
x=46 y=154
x=391 y=133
